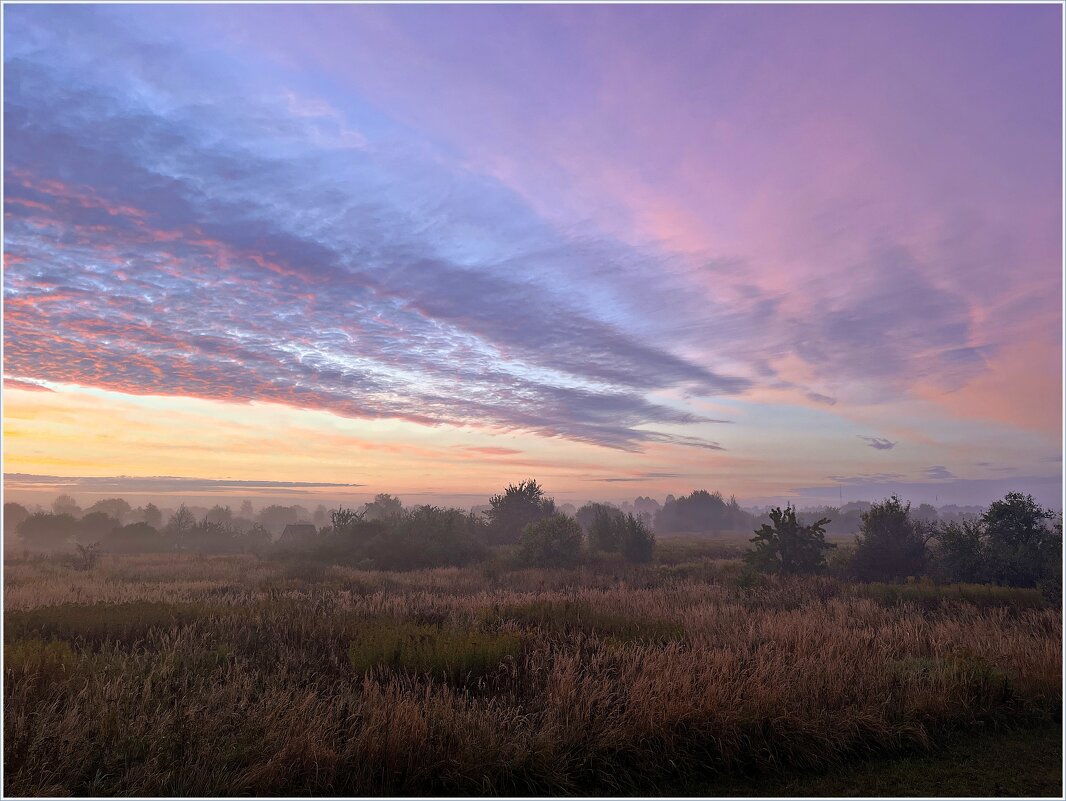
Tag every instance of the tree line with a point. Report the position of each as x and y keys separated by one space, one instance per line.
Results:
x=381 y=534
x=1015 y=542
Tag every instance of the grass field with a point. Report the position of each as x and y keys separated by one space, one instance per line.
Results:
x=230 y=675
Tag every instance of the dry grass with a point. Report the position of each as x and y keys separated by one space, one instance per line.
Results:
x=222 y=676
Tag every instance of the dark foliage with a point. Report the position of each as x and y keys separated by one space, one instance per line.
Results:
x=1014 y=543
x=603 y=525
x=890 y=546
x=47 y=532
x=421 y=537
x=702 y=511
x=554 y=541
x=637 y=542
x=518 y=506
x=788 y=546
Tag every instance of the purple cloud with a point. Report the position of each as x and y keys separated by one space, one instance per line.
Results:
x=878 y=443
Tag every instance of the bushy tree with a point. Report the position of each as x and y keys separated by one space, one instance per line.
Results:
x=1023 y=548
x=890 y=547
x=116 y=508
x=48 y=532
x=422 y=537
x=553 y=541
x=275 y=517
x=66 y=505
x=179 y=526
x=701 y=511
x=134 y=538
x=153 y=516
x=342 y=518
x=94 y=526
x=637 y=543
x=519 y=505
x=383 y=507
x=958 y=553
x=1013 y=543
x=788 y=546
x=14 y=514
x=603 y=524
x=222 y=515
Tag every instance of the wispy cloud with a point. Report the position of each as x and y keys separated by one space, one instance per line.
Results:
x=865 y=478
x=878 y=443
x=142 y=240
x=639 y=477
x=939 y=472
x=156 y=483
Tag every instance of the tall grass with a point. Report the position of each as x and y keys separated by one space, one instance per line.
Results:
x=227 y=676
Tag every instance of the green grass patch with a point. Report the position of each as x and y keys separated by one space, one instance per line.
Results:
x=99 y=622
x=579 y=616
x=48 y=659
x=443 y=652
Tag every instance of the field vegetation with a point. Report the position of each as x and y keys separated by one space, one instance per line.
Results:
x=546 y=655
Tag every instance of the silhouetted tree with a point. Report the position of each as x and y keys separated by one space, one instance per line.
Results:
x=553 y=541
x=321 y=516
x=890 y=547
x=66 y=505
x=219 y=514
x=115 y=508
x=48 y=532
x=180 y=525
x=518 y=506
x=94 y=526
x=343 y=519
x=275 y=517
x=383 y=507
x=959 y=553
x=134 y=538
x=702 y=511
x=925 y=513
x=1023 y=549
x=603 y=524
x=14 y=514
x=788 y=546
x=636 y=541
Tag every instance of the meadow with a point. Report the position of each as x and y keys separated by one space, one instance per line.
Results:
x=170 y=674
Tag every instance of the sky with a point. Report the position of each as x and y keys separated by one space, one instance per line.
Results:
x=790 y=253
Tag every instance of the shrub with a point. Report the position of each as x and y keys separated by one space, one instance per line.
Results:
x=1011 y=544
x=1022 y=550
x=958 y=553
x=422 y=537
x=701 y=511
x=637 y=541
x=889 y=547
x=48 y=531
x=518 y=506
x=603 y=525
x=87 y=556
x=439 y=651
x=787 y=546
x=552 y=542
x=134 y=538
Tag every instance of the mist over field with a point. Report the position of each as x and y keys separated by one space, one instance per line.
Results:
x=532 y=400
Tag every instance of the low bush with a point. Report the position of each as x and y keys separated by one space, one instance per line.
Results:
x=440 y=651
x=98 y=622
x=552 y=542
